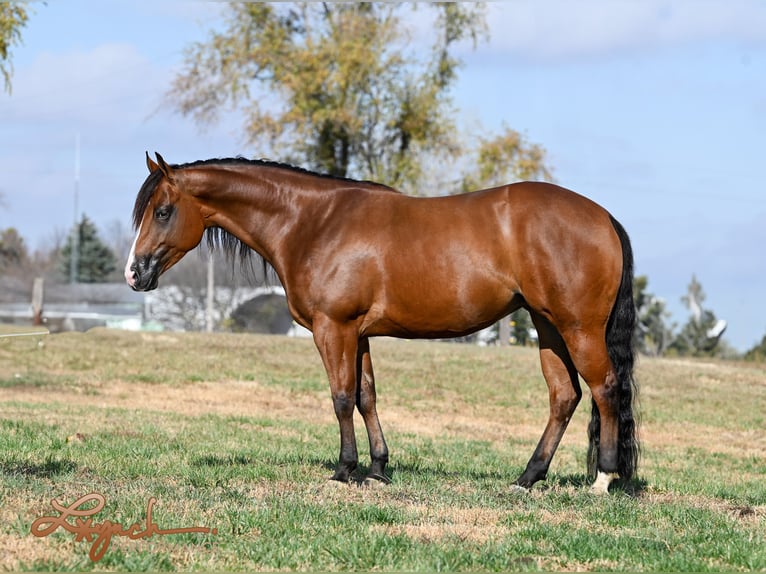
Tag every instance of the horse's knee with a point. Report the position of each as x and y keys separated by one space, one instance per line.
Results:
x=343 y=404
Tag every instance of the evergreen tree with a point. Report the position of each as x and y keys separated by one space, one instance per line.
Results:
x=521 y=327
x=13 y=251
x=95 y=261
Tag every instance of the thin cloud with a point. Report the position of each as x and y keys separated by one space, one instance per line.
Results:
x=82 y=86
x=551 y=30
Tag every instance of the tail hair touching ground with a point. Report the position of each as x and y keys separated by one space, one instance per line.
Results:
x=620 y=346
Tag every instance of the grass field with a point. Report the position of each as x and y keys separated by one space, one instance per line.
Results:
x=237 y=433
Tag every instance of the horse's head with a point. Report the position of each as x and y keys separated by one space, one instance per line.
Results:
x=168 y=224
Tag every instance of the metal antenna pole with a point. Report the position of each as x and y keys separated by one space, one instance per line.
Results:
x=75 y=251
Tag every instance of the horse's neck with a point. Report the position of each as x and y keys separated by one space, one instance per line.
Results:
x=257 y=204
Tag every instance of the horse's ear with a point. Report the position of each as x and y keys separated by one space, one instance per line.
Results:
x=164 y=167
x=151 y=164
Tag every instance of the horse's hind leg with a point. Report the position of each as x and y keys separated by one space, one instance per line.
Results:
x=564 y=395
x=589 y=354
x=365 y=402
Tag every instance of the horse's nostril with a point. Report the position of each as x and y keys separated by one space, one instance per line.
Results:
x=142 y=274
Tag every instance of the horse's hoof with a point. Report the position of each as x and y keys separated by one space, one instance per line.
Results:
x=375 y=481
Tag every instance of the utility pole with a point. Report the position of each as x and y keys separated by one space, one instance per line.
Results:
x=75 y=251
x=504 y=331
x=37 y=301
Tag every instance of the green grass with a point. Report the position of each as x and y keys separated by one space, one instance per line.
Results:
x=237 y=432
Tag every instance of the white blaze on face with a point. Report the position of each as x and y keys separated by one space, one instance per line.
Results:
x=130 y=277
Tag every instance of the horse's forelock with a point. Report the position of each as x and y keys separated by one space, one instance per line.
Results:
x=145 y=195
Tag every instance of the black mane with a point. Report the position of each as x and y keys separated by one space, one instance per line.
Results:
x=280 y=165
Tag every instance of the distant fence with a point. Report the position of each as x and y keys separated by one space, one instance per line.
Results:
x=70 y=307
x=81 y=306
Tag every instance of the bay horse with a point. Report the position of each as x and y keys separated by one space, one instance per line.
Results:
x=358 y=259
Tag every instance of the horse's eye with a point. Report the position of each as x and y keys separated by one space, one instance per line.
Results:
x=163 y=213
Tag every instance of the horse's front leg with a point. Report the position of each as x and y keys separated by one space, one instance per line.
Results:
x=366 y=403
x=338 y=345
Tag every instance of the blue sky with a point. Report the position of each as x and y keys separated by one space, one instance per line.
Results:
x=656 y=109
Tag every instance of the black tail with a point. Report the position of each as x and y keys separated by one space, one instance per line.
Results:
x=619 y=343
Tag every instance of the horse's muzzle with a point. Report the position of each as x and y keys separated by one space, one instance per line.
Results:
x=144 y=274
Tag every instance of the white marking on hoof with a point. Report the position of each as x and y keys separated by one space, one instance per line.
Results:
x=603 y=480
x=519 y=490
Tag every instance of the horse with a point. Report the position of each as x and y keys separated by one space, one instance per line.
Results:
x=358 y=259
